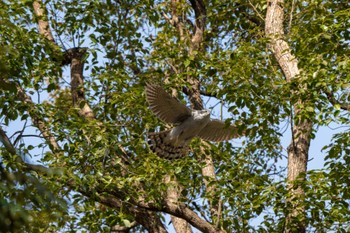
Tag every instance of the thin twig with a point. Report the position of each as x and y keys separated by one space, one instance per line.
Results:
x=256 y=10
x=291 y=16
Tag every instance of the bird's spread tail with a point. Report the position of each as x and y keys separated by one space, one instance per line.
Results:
x=165 y=149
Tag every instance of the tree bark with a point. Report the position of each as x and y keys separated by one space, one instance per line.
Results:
x=194 y=94
x=172 y=196
x=299 y=147
x=208 y=172
x=43 y=23
x=77 y=81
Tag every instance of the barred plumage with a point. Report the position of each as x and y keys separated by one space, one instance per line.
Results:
x=158 y=145
x=190 y=123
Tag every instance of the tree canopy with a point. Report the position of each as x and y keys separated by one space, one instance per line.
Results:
x=74 y=117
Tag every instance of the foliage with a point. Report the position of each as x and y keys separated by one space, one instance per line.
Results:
x=132 y=42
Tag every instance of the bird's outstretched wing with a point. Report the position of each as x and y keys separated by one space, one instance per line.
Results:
x=164 y=106
x=217 y=131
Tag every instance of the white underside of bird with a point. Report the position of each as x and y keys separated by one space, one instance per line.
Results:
x=190 y=123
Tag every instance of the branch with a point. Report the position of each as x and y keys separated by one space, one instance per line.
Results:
x=151 y=221
x=197 y=38
x=44 y=29
x=256 y=11
x=244 y=11
x=6 y=142
x=38 y=121
x=298 y=150
x=291 y=16
x=334 y=101
x=173 y=195
x=208 y=171
x=40 y=13
x=205 y=93
x=175 y=20
x=124 y=228
x=182 y=211
x=201 y=15
x=148 y=219
x=114 y=197
x=27 y=166
x=72 y=56
x=275 y=33
x=76 y=57
x=194 y=94
x=209 y=175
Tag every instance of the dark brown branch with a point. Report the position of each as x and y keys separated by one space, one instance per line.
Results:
x=76 y=56
x=194 y=95
x=146 y=218
x=334 y=101
x=200 y=210
x=114 y=198
x=208 y=94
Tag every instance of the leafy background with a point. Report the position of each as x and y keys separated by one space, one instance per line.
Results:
x=130 y=43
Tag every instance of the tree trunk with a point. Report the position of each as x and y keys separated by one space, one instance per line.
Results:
x=301 y=130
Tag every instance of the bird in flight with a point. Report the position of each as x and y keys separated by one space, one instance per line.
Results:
x=188 y=123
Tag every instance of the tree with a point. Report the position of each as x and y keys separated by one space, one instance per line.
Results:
x=73 y=77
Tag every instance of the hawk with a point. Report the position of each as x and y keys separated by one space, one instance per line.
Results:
x=189 y=123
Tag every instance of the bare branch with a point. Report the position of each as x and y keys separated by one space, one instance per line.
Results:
x=194 y=94
x=196 y=40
